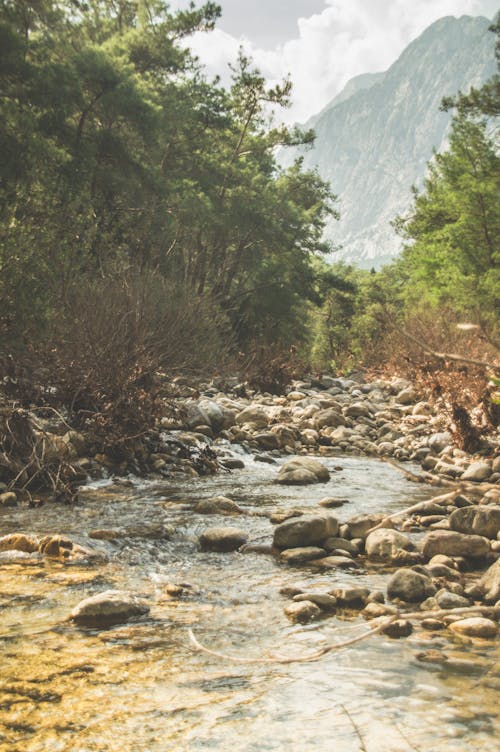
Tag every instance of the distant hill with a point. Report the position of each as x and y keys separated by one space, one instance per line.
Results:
x=375 y=138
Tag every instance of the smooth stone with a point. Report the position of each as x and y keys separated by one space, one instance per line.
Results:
x=398 y=628
x=302 y=612
x=108 y=608
x=385 y=544
x=323 y=600
x=218 y=505
x=222 y=539
x=445 y=600
x=305 y=531
x=475 y=626
x=483 y=520
x=489 y=584
x=301 y=555
x=8 y=499
x=302 y=471
x=341 y=544
x=477 y=472
x=285 y=514
x=452 y=543
x=351 y=596
x=335 y=562
x=332 y=503
x=410 y=586
x=359 y=525
x=373 y=610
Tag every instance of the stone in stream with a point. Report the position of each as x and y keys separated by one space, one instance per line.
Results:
x=218 y=505
x=19 y=542
x=302 y=471
x=323 y=600
x=398 y=628
x=302 y=612
x=301 y=555
x=447 y=600
x=304 y=531
x=475 y=626
x=351 y=596
x=483 y=520
x=332 y=503
x=341 y=544
x=108 y=608
x=410 y=586
x=359 y=525
x=489 y=584
x=8 y=499
x=477 y=472
x=452 y=543
x=222 y=539
x=386 y=545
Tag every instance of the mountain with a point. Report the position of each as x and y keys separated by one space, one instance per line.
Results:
x=374 y=139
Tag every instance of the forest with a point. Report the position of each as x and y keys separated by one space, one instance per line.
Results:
x=146 y=225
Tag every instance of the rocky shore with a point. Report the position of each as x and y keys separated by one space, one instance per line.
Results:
x=441 y=556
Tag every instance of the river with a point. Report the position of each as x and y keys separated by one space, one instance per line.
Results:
x=141 y=687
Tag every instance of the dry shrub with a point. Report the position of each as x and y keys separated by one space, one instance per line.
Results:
x=270 y=368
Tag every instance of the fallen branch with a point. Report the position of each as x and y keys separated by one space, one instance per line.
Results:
x=382 y=623
x=447 y=356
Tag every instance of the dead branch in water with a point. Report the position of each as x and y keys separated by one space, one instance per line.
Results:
x=381 y=624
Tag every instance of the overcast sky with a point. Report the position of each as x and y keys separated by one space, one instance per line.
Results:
x=321 y=43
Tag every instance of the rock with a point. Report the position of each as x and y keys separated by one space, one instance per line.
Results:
x=477 y=472
x=475 y=626
x=359 y=525
x=267 y=440
x=445 y=599
x=341 y=544
x=218 y=505
x=302 y=471
x=483 y=520
x=432 y=624
x=351 y=596
x=330 y=418
x=335 y=562
x=305 y=531
x=373 y=610
x=282 y=515
x=18 y=542
x=332 y=503
x=410 y=586
x=385 y=544
x=8 y=499
x=323 y=600
x=452 y=543
x=107 y=535
x=489 y=584
x=110 y=607
x=439 y=441
x=302 y=612
x=300 y=555
x=406 y=396
x=254 y=415
x=398 y=628
x=55 y=545
x=358 y=410
x=222 y=539
x=232 y=463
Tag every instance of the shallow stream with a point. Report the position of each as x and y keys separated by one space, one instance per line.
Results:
x=141 y=687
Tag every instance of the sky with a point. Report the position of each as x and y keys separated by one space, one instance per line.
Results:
x=321 y=44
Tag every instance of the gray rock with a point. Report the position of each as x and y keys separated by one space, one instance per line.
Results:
x=445 y=599
x=335 y=562
x=483 y=520
x=323 y=600
x=351 y=596
x=477 y=472
x=341 y=544
x=302 y=471
x=253 y=414
x=358 y=410
x=305 y=531
x=451 y=543
x=439 y=441
x=410 y=586
x=222 y=539
x=330 y=418
x=386 y=544
x=406 y=396
x=110 y=607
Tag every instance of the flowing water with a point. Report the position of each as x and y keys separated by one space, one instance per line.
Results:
x=141 y=687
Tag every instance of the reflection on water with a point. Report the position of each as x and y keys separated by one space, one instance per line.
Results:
x=140 y=687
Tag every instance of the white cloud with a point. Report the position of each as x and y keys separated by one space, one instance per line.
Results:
x=347 y=38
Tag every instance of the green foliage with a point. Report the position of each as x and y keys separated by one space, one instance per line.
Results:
x=121 y=156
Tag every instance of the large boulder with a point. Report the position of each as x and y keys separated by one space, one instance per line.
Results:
x=410 y=586
x=329 y=418
x=386 y=545
x=254 y=415
x=222 y=539
x=305 y=531
x=483 y=520
x=110 y=607
x=302 y=471
x=451 y=543
x=475 y=626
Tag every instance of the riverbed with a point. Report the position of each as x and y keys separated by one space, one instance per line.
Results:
x=142 y=686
